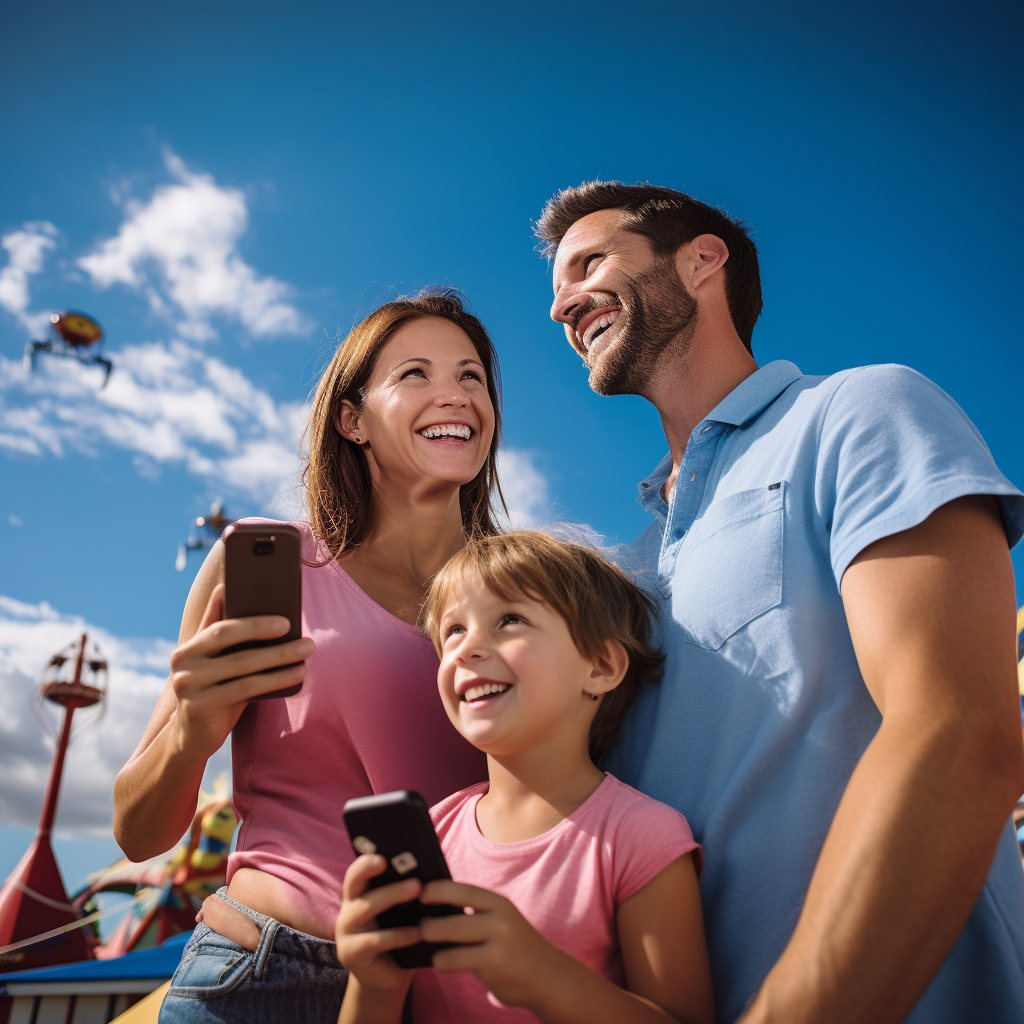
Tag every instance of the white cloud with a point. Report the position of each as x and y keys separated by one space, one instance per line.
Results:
x=29 y=635
x=180 y=249
x=26 y=250
x=167 y=405
x=524 y=487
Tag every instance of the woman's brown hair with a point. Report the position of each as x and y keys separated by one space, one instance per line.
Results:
x=336 y=476
x=596 y=599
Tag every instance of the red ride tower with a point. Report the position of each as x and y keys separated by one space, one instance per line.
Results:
x=33 y=901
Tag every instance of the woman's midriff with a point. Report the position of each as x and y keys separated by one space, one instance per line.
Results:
x=262 y=892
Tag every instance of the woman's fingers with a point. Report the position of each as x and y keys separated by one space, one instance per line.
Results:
x=198 y=664
x=223 y=633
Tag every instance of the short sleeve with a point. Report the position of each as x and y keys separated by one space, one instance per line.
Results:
x=893 y=448
x=649 y=837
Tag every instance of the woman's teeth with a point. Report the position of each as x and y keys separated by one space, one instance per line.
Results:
x=460 y=430
x=484 y=690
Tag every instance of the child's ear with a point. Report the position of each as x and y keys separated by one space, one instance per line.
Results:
x=607 y=668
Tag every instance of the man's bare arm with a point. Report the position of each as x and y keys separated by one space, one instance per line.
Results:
x=931 y=612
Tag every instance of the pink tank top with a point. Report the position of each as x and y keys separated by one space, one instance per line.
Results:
x=368 y=719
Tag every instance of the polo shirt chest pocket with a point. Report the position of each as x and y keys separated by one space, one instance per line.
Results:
x=729 y=569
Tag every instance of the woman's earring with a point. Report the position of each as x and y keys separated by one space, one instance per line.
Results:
x=593 y=696
x=359 y=440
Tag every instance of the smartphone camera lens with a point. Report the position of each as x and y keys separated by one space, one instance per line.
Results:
x=263 y=547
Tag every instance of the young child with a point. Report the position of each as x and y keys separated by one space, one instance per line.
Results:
x=581 y=893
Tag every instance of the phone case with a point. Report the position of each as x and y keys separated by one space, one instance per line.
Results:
x=397 y=825
x=263 y=576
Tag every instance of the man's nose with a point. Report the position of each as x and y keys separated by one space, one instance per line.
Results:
x=565 y=309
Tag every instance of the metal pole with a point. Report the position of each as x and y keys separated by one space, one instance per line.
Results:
x=49 y=811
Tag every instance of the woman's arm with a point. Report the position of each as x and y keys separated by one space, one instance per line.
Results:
x=155 y=793
x=658 y=931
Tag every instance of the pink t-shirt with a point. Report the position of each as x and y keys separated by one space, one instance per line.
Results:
x=567 y=883
x=368 y=719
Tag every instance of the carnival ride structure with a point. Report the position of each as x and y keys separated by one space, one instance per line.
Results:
x=75 y=336
x=206 y=530
x=40 y=925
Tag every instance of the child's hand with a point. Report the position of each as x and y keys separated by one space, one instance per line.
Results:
x=496 y=943
x=362 y=946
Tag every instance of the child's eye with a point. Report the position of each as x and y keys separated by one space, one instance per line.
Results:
x=510 y=618
x=454 y=630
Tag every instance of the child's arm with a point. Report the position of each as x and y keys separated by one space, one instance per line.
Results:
x=665 y=954
x=377 y=986
x=523 y=969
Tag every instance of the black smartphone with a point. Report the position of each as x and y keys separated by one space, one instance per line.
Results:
x=263 y=576
x=397 y=826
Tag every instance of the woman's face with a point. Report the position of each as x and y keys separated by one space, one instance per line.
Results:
x=427 y=418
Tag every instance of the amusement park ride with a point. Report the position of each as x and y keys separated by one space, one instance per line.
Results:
x=207 y=529
x=40 y=925
x=76 y=336
x=33 y=902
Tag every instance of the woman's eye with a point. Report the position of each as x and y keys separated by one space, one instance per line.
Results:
x=418 y=370
x=473 y=375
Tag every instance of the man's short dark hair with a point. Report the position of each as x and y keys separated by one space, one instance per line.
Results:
x=668 y=219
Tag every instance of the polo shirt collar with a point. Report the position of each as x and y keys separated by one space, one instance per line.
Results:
x=742 y=404
x=755 y=394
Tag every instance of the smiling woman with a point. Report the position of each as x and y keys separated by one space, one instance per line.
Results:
x=338 y=475
x=402 y=441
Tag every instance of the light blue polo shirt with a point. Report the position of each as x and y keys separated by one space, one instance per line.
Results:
x=762 y=713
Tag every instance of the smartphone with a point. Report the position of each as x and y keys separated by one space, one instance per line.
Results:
x=398 y=826
x=263 y=576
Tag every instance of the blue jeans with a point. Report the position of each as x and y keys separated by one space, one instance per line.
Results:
x=291 y=976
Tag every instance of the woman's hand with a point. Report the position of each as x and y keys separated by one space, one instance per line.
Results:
x=362 y=946
x=211 y=691
x=496 y=943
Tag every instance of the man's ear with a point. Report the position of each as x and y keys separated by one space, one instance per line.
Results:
x=347 y=418
x=698 y=259
x=607 y=668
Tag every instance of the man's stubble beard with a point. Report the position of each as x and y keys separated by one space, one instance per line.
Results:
x=658 y=315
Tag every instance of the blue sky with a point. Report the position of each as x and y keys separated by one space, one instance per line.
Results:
x=225 y=187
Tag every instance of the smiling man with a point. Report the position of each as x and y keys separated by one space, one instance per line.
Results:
x=838 y=718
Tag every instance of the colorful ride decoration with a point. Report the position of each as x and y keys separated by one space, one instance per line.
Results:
x=75 y=336
x=39 y=925
x=168 y=890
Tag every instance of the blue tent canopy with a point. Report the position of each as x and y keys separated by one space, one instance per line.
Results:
x=158 y=962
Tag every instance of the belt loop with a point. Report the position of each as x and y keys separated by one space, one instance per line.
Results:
x=267 y=933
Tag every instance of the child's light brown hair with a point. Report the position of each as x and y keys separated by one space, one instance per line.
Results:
x=596 y=599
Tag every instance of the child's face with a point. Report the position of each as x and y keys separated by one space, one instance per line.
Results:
x=522 y=652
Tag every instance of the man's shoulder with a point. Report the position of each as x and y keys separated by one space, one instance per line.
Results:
x=865 y=388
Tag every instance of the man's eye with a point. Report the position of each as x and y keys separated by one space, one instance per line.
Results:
x=590 y=261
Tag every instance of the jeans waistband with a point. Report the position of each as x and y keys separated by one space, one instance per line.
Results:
x=285 y=941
